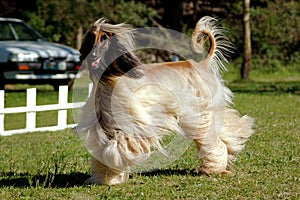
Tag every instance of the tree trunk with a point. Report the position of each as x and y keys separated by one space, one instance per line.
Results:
x=245 y=70
x=79 y=37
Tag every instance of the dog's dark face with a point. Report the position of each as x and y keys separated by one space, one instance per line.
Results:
x=93 y=49
x=106 y=56
x=93 y=43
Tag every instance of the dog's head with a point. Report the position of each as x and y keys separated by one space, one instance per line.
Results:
x=106 y=49
x=95 y=43
x=102 y=35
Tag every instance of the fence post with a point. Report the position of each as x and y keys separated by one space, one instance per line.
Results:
x=31 y=113
x=2 y=111
x=62 y=100
x=90 y=89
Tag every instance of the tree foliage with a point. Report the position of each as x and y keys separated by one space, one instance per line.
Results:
x=276 y=34
x=275 y=31
x=59 y=20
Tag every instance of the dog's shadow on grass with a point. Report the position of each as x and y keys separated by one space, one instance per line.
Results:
x=75 y=179
x=50 y=180
x=170 y=172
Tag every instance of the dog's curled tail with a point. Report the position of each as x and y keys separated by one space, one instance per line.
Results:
x=207 y=28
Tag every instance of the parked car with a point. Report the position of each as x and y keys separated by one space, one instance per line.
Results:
x=26 y=57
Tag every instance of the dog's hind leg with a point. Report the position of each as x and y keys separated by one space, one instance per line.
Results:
x=103 y=174
x=211 y=149
x=235 y=133
x=213 y=153
x=218 y=149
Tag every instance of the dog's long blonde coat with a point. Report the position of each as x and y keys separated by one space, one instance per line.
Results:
x=126 y=117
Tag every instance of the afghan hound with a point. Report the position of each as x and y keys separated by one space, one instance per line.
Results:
x=132 y=105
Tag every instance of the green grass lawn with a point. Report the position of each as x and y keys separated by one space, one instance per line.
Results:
x=54 y=165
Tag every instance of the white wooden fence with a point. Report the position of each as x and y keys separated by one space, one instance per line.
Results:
x=31 y=108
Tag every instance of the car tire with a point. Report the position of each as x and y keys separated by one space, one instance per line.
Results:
x=2 y=82
x=69 y=83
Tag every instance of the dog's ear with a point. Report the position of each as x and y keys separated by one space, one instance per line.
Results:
x=92 y=38
x=87 y=44
x=101 y=36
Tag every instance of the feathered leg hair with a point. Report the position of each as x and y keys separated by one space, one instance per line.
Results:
x=228 y=132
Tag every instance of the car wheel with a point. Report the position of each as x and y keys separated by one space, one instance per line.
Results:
x=69 y=83
x=2 y=82
x=55 y=86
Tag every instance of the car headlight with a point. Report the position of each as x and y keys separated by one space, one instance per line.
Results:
x=73 y=57
x=24 y=57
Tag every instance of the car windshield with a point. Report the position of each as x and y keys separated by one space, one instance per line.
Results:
x=18 y=31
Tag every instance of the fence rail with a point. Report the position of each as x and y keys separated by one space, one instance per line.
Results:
x=31 y=109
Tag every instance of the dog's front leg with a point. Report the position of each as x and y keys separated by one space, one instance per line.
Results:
x=103 y=174
x=213 y=153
